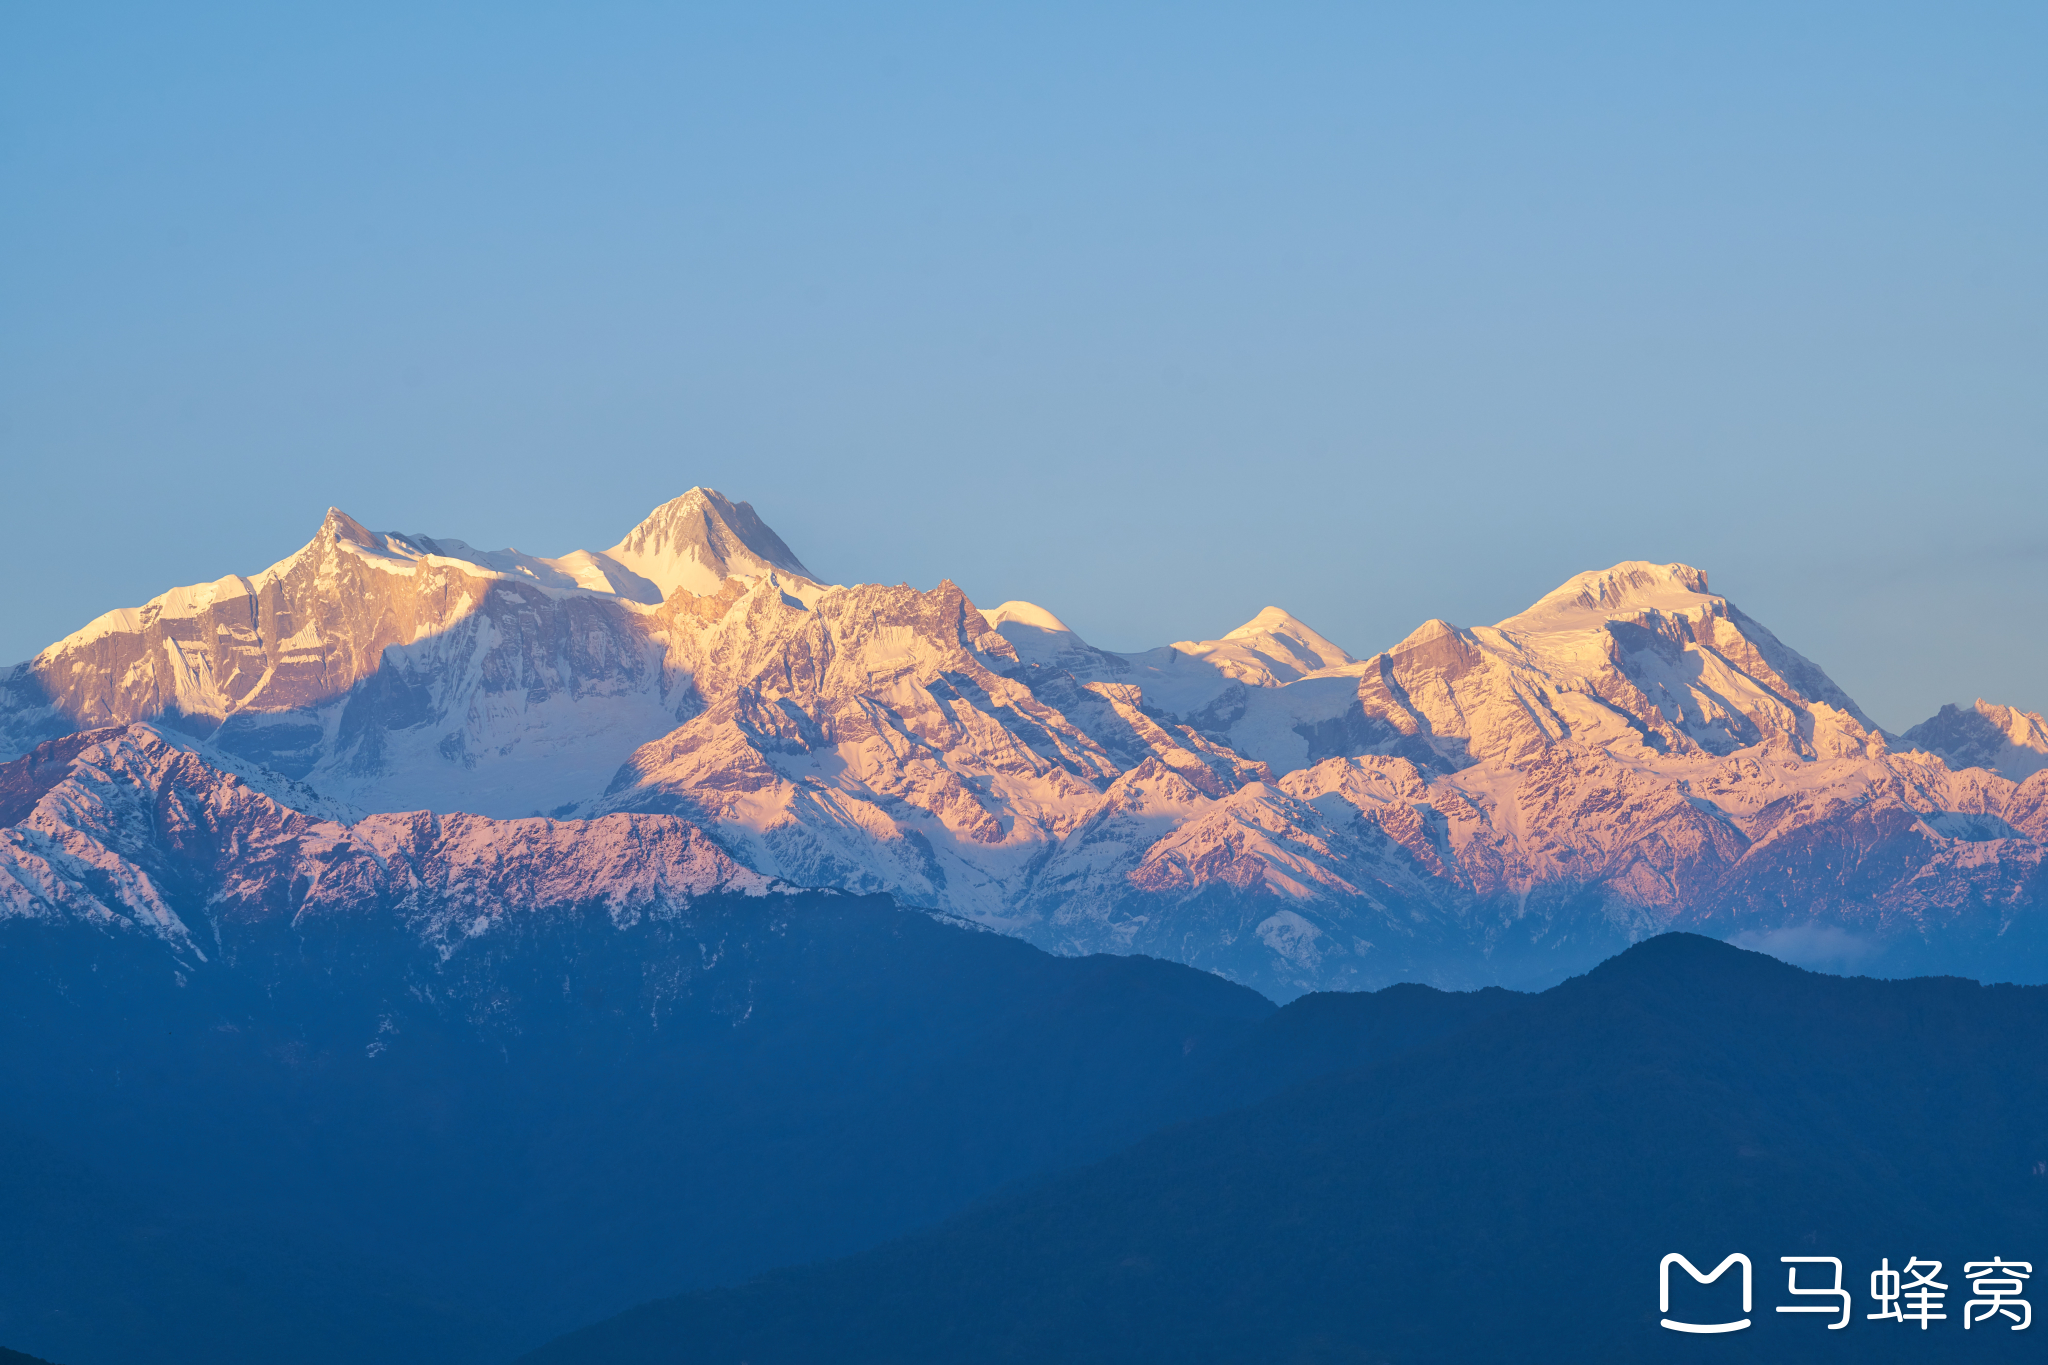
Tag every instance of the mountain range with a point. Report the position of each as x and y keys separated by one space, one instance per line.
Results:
x=415 y=954
x=692 y=711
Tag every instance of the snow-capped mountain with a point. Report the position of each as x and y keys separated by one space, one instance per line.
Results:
x=404 y=671
x=696 y=542
x=2010 y=741
x=1508 y=802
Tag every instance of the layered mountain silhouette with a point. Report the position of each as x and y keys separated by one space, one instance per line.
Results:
x=318 y=1136
x=299 y=1099
x=324 y=1144
x=1504 y=1191
x=1503 y=804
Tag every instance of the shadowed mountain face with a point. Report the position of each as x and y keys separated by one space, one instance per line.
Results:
x=1503 y=1192
x=1495 y=804
x=324 y=1137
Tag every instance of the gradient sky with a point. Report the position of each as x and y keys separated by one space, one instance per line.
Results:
x=1152 y=314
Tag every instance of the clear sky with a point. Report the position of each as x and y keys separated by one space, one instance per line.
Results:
x=1152 y=314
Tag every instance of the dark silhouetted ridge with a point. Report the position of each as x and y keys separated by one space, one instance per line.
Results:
x=1502 y=1192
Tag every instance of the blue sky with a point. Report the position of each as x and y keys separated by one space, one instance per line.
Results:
x=1151 y=314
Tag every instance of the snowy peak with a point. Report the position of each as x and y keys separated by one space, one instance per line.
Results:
x=1426 y=634
x=1639 y=658
x=340 y=526
x=1437 y=647
x=1042 y=639
x=2005 y=739
x=1272 y=649
x=694 y=542
x=699 y=540
x=1630 y=589
x=1028 y=614
x=1278 y=634
x=1684 y=645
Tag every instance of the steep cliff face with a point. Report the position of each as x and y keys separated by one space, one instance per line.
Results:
x=1508 y=802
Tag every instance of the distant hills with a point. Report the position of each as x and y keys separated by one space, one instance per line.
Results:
x=327 y=1142
x=336 y=1128
x=1505 y=1191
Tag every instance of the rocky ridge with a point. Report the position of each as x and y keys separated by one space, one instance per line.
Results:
x=134 y=830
